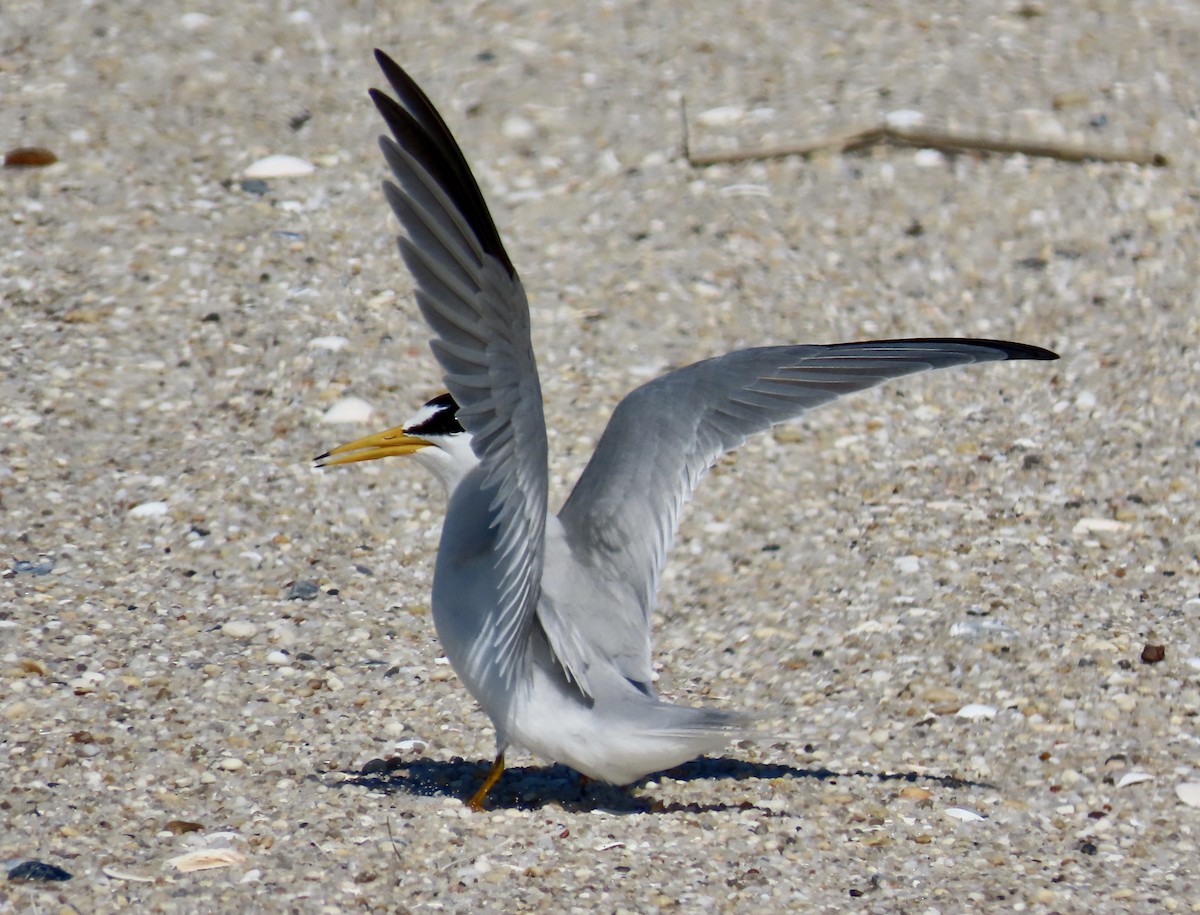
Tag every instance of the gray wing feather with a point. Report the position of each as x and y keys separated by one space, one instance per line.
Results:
x=474 y=302
x=622 y=515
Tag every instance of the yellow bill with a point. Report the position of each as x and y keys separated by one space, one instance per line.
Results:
x=390 y=443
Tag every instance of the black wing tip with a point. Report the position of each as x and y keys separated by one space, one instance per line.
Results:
x=1010 y=349
x=416 y=124
x=390 y=68
x=1013 y=350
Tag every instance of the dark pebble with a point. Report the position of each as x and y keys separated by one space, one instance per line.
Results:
x=255 y=186
x=37 y=870
x=1152 y=654
x=32 y=568
x=29 y=157
x=303 y=590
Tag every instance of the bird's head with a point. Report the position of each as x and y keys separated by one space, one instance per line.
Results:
x=433 y=436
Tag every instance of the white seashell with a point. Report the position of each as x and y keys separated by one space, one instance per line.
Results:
x=975 y=628
x=724 y=116
x=148 y=510
x=348 y=410
x=194 y=21
x=745 y=190
x=1098 y=525
x=1189 y=793
x=333 y=344
x=206 y=859
x=928 y=158
x=904 y=118
x=516 y=127
x=976 y=711
x=1133 y=778
x=113 y=874
x=962 y=813
x=279 y=166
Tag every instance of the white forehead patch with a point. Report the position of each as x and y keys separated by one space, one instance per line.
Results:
x=423 y=416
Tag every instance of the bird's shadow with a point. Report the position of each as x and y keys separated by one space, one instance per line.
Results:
x=534 y=787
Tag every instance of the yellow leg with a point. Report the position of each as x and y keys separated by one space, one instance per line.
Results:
x=493 y=776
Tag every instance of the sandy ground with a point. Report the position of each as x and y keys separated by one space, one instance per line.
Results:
x=941 y=591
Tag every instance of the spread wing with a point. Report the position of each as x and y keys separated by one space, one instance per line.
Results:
x=472 y=298
x=622 y=515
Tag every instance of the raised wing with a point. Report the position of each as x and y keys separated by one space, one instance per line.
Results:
x=622 y=515
x=472 y=298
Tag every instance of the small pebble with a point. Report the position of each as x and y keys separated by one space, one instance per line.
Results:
x=182 y=827
x=240 y=629
x=31 y=568
x=1152 y=654
x=29 y=157
x=303 y=590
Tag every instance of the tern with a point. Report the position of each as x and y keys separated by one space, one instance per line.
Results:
x=546 y=618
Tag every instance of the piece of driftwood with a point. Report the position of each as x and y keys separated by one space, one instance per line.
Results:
x=921 y=138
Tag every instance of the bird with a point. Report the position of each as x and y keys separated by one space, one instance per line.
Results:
x=546 y=617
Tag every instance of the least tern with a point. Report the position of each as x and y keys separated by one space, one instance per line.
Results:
x=547 y=618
